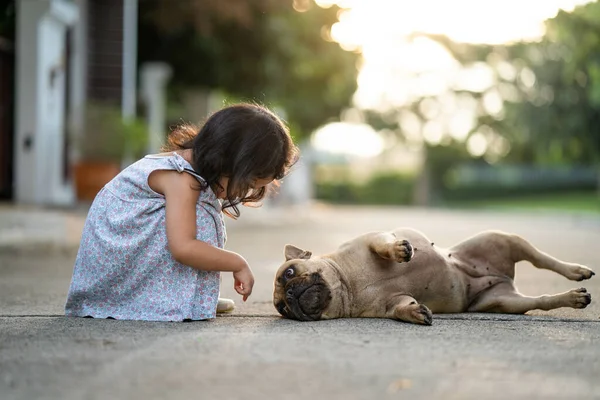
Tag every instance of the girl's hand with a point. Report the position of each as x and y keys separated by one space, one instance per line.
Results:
x=243 y=281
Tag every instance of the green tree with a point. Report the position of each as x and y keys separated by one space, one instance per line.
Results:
x=552 y=100
x=262 y=50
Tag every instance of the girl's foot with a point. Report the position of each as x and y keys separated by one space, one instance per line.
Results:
x=225 y=305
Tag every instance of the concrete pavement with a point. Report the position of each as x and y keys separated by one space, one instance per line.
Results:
x=269 y=358
x=32 y=230
x=254 y=354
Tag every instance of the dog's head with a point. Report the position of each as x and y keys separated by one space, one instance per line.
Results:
x=301 y=290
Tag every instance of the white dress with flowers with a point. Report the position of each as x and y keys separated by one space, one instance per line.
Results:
x=124 y=268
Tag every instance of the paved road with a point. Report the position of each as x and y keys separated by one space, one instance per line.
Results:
x=254 y=354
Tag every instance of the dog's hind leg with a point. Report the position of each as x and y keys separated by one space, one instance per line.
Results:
x=504 y=298
x=523 y=250
x=407 y=309
x=503 y=250
x=389 y=247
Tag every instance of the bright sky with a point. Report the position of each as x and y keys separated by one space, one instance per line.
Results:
x=394 y=69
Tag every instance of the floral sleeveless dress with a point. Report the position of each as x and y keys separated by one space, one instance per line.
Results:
x=124 y=268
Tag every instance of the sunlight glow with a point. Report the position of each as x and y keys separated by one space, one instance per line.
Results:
x=433 y=132
x=351 y=139
x=492 y=103
x=398 y=67
x=461 y=123
x=470 y=21
x=477 y=144
x=411 y=126
x=380 y=29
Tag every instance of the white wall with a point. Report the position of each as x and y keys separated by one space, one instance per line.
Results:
x=26 y=119
x=40 y=91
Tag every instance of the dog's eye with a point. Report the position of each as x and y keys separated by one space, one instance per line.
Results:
x=289 y=273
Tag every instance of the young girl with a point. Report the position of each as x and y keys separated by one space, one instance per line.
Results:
x=152 y=245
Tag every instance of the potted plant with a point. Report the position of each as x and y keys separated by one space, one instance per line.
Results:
x=103 y=144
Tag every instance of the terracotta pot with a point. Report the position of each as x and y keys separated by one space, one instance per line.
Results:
x=91 y=176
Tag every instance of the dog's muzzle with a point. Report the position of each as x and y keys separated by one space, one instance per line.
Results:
x=306 y=297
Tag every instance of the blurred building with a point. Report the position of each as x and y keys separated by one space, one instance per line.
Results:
x=65 y=54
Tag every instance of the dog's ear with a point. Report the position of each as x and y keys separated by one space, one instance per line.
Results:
x=294 y=253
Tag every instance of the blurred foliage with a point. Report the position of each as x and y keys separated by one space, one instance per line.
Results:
x=550 y=90
x=455 y=189
x=260 y=50
x=580 y=201
x=383 y=188
x=450 y=170
x=548 y=113
x=108 y=137
x=440 y=162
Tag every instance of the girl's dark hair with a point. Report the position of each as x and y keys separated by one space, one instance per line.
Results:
x=242 y=142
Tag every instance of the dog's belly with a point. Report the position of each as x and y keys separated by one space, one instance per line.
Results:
x=446 y=280
x=431 y=277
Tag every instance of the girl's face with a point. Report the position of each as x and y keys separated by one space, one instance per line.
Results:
x=258 y=183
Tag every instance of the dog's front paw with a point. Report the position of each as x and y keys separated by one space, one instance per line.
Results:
x=402 y=251
x=579 y=298
x=420 y=314
x=414 y=313
x=579 y=273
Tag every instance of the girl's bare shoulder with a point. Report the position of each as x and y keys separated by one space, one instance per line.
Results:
x=166 y=181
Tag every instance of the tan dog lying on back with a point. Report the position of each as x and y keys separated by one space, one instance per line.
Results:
x=404 y=276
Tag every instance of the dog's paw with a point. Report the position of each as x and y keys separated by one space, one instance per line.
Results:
x=578 y=298
x=401 y=251
x=420 y=314
x=578 y=272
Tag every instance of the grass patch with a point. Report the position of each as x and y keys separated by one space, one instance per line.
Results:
x=588 y=202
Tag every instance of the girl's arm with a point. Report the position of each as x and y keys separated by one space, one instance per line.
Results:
x=181 y=198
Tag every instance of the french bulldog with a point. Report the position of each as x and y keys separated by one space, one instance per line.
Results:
x=402 y=275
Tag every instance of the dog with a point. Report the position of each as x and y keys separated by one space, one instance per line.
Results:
x=402 y=275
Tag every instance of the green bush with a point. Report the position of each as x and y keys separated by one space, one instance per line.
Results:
x=388 y=188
